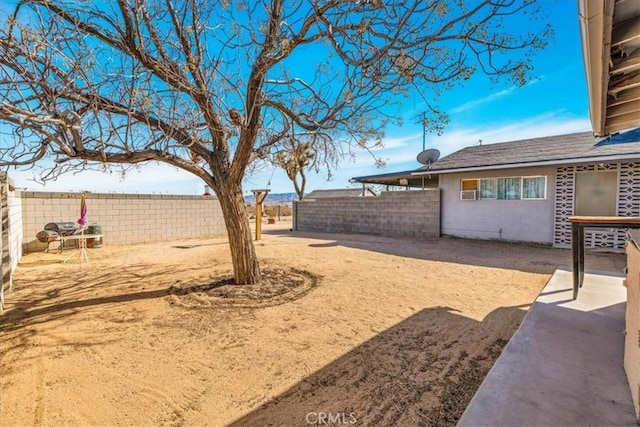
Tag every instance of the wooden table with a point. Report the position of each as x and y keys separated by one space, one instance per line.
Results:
x=578 y=224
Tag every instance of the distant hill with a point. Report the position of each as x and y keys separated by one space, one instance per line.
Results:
x=273 y=199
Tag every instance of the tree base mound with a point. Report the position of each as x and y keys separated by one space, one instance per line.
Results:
x=278 y=286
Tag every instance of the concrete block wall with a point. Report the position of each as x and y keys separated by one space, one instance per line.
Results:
x=125 y=218
x=399 y=213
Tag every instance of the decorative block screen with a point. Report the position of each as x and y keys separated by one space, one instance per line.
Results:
x=628 y=203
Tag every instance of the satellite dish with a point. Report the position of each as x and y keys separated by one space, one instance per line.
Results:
x=428 y=157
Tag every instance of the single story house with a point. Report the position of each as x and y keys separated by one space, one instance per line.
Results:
x=526 y=190
x=341 y=192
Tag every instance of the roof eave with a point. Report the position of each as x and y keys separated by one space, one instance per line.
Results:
x=596 y=21
x=383 y=175
x=578 y=160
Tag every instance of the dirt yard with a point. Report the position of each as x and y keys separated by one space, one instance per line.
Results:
x=376 y=331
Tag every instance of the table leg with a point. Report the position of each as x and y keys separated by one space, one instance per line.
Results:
x=581 y=249
x=83 y=250
x=575 y=245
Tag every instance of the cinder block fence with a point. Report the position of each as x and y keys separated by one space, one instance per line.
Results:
x=124 y=218
x=398 y=213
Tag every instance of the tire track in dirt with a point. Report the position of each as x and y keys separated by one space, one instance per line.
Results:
x=38 y=384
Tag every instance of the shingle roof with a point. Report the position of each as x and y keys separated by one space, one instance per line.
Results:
x=342 y=192
x=561 y=149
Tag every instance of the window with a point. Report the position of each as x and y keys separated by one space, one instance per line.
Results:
x=511 y=188
x=596 y=193
x=469 y=184
x=534 y=187
x=488 y=188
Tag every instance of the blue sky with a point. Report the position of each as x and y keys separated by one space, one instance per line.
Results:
x=553 y=103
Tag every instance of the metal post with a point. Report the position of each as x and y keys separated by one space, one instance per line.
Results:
x=575 y=246
x=581 y=253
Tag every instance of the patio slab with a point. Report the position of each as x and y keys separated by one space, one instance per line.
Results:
x=564 y=365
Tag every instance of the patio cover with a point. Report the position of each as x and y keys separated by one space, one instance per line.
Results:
x=610 y=31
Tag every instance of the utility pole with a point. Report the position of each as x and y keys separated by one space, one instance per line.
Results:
x=422 y=119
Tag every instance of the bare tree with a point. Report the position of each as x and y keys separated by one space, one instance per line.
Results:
x=209 y=87
x=300 y=154
x=295 y=161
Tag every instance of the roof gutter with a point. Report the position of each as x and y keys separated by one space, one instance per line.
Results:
x=579 y=160
x=384 y=175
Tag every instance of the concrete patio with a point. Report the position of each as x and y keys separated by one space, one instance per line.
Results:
x=564 y=365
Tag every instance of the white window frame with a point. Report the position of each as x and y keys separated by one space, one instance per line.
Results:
x=533 y=198
x=480 y=189
x=522 y=178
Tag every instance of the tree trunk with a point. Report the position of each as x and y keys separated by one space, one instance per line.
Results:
x=245 y=262
x=299 y=188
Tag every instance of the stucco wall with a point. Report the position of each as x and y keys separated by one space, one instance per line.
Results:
x=400 y=213
x=511 y=220
x=125 y=218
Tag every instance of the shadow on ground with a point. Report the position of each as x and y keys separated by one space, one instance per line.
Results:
x=530 y=258
x=410 y=374
x=75 y=292
x=198 y=245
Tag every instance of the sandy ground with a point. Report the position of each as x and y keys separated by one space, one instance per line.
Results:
x=390 y=332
